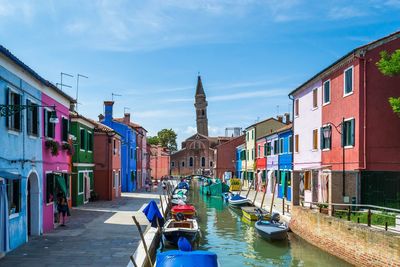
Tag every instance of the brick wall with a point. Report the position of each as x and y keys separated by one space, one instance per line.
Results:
x=357 y=244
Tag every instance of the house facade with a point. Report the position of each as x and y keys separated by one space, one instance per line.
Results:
x=107 y=160
x=272 y=161
x=307 y=122
x=240 y=154
x=261 y=161
x=128 y=151
x=225 y=157
x=285 y=157
x=83 y=179
x=159 y=161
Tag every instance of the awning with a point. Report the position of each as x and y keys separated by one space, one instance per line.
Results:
x=10 y=176
x=61 y=184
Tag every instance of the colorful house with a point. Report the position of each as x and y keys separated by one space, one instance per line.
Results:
x=254 y=132
x=285 y=157
x=308 y=104
x=272 y=161
x=159 y=161
x=240 y=158
x=261 y=161
x=107 y=160
x=82 y=186
x=360 y=159
x=225 y=163
x=128 y=151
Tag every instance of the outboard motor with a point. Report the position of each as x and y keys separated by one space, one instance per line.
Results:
x=275 y=217
x=180 y=216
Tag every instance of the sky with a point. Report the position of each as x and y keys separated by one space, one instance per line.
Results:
x=249 y=53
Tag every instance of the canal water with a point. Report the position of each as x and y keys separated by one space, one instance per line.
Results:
x=237 y=244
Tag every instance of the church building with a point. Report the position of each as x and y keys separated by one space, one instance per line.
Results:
x=198 y=153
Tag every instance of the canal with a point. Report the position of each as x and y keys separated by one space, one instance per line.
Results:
x=237 y=244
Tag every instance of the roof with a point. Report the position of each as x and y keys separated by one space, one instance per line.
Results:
x=100 y=127
x=34 y=74
x=232 y=139
x=368 y=46
x=284 y=128
x=76 y=115
x=199 y=87
x=131 y=124
x=254 y=124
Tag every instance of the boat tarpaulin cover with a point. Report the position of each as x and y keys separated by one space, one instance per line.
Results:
x=237 y=197
x=198 y=258
x=153 y=214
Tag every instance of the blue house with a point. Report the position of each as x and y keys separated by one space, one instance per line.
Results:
x=239 y=158
x=128 y=150
x=285 y=155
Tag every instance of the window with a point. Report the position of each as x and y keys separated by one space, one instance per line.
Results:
x=248 y=154
x=173 y=164
x=183 y=164
x=50 y=185
x=49 y=128
x=247 y=136
x=265 y=149
x=315 y=139
x=203 y=161
x=280 y=146
x=307 y=180
x=252 y=153
x=32 y=118
x=114 y=147
x=191 y=161
x=259 y=151
x=296 y=143
x=211 y=164
x=276 y=147
x=65 y=129
x=90 y=141
x=83 y=139
x=14 y=196
x=252 y=134
x=269 y=148
x=326 y=141
x=80 y=183
x=202 y=112
x=296 y=107
x=327 y=92
x=13 y=122
x=348 y=133
x=348 y=81
x=315 y=98
x=290 y=148
x=114 y=181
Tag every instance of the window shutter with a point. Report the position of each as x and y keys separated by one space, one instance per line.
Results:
x=352 y=127
x=330 y=138
x=7 y=103
x=321 y=141
x=29 y=113
x=18 y=114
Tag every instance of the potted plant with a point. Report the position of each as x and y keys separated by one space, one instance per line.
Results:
x=54 y=146
x=69 y=148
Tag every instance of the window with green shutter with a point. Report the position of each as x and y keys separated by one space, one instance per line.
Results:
x=80 y=182
x=83 y=139
x=348 y=133
x=348 y=81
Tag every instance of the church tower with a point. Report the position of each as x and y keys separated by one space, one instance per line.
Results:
x=201 y=109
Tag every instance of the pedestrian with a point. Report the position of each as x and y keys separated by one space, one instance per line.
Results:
x=147 y=184
x=63 y=209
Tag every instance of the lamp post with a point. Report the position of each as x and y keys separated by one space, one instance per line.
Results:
x=327 y=132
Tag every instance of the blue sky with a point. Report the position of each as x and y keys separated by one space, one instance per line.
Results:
x=250 y=53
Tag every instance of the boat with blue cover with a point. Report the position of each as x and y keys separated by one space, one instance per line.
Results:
x=175 y=258
x=239 y=201
x=272 y=229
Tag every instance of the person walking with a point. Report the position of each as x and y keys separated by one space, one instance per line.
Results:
x=63 y=209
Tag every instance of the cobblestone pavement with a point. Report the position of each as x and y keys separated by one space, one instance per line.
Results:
x=97 y=234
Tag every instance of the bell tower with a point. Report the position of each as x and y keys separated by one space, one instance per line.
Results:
x=201 y=108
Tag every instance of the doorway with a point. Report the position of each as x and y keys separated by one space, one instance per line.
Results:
x=33 y=205
x=116 y=182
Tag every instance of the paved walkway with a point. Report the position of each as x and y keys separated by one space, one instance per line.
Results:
x=97 y=234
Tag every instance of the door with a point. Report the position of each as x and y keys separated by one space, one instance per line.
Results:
x=116 y=182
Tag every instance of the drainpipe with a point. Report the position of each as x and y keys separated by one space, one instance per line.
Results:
x=293 y=139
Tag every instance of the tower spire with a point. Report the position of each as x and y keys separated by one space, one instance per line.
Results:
x=201 y=108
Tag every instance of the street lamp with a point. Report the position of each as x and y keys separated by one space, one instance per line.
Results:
x=327 y=132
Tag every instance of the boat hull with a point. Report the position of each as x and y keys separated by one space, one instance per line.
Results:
x=183 y=258
x=251 y=214
x=274 y=232
x=173 y=236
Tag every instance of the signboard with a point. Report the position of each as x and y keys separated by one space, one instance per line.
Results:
x=235 y=184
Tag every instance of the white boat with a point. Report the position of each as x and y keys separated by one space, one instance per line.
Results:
x=239 y=201
x=177 y=202
x=176 y=196
x=173 y=229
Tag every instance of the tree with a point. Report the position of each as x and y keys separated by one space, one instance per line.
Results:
x=389 y=65
x=153 y=140
x=167 y=138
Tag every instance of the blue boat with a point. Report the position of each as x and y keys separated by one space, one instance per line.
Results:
x=175 y=258
x=271 y=229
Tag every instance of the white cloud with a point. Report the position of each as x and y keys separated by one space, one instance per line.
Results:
x=190 y=130
x=346 y=12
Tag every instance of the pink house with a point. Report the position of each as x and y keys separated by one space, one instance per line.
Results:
x=57 y=149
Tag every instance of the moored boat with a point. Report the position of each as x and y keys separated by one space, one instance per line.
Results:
x=272 y=229
x=188 y=211
x=198 y=258
x=239 y=201
x=252 y=213
x=173 y=229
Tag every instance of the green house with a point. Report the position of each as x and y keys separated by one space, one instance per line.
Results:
x=82 y=184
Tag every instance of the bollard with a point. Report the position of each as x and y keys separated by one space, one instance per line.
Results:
x=369 y=217
x=358 y=219
x=348 y=214
x=386 y=226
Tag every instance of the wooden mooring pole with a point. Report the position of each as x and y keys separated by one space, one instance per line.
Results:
x=143 y=240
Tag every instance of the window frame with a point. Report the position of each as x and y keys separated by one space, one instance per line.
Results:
x=30 y=123
x=323 y=141
x=315 y=98
x=10 y=184
x=82 y=142
x=297 y=107
x=47 y=124
x=290 y=144
x=352 y=137
x=63 y=118
x=352 y=81
x=296 y=143
x=269 y=148
x=10 y=120
x=315 y=140
x=323 y=92
x=281 y=145
x=89 y=143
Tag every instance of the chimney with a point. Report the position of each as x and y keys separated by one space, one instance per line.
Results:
x=101 y=117
x=287 y=118
x=280 y=118
x=127 y=118
x=108 y=110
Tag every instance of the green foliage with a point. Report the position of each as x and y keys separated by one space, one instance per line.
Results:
x=376 y=218
x=389 y=65
x=395 y=103
x=153 y=140
x=167 y=138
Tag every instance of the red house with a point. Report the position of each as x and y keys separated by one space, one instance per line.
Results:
x=107 y=159
x=226 y=156
x=261 y=160
x=159 y=161
x=360 y=134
